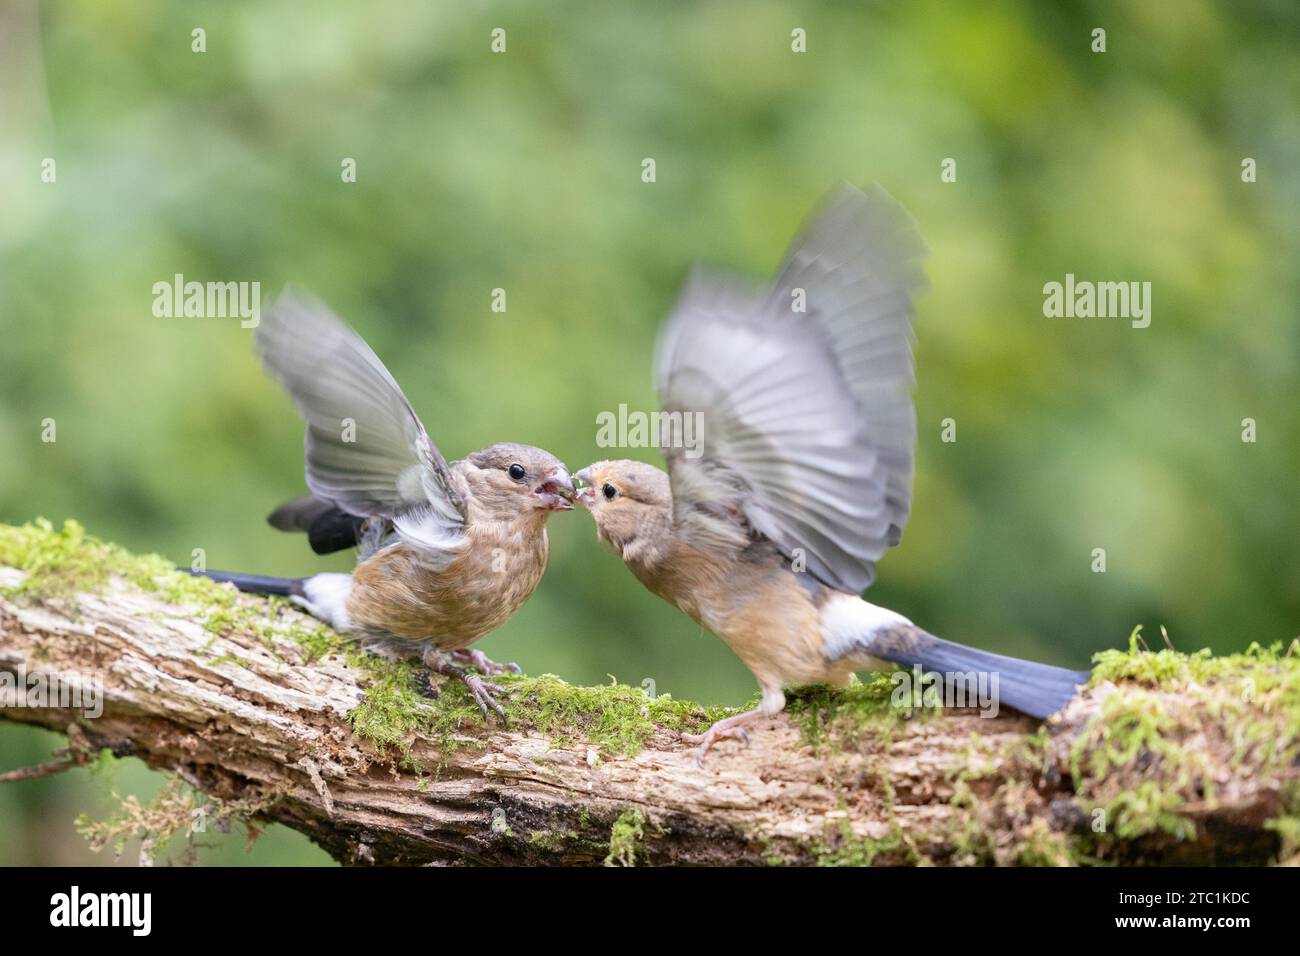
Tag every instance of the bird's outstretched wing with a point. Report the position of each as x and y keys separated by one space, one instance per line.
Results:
x=805 y=395
x=366 y=451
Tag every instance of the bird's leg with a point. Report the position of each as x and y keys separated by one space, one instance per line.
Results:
x=729 y=728
x=479 y=689
x=476 y=658
x=733 y=727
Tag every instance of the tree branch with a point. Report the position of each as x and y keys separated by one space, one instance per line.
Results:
x=1173 y=758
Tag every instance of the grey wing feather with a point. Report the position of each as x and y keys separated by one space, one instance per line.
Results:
x=366 y=450
x=808 y=422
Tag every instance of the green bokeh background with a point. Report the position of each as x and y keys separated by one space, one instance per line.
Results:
x=522 y=171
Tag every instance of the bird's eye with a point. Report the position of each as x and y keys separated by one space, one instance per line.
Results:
x=517 y=471
x=609 y=491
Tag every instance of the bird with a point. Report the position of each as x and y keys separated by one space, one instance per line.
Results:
x=446 y=552
x=767 y=531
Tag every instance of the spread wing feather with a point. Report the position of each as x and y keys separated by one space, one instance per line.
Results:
x=808 y=422
x=366 y=450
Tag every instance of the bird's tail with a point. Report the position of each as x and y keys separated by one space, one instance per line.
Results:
x=1038 y=690
x=256 y=583
x=322 y=595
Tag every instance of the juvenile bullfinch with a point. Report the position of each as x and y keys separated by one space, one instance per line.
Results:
x=446 y=552
x=768 y=532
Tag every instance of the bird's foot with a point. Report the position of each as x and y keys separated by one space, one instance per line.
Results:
x=729 y=728
x=478 y=688
x=482 y=693
x=485 y=664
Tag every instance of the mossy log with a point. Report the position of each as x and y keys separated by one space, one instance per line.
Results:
x=1164 y=758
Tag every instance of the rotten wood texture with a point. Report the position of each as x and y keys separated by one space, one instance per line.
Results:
x=244 y=721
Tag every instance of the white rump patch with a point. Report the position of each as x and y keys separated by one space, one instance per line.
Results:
x=327 y=596
x=848 y=623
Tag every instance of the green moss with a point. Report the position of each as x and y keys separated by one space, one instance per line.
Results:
x=1130 y=725
x=970 y=840
x=624 y=837
x=840 y=846
x=1158 y=746
x=1257 y=671
x=1256 y=693
x=392 y=712
x=1000 y=825
x=1128 y=740
x=229 y=659
x=315 y=639
x=61 y=562
x=1288 y=831
x=615 y=717
x=1043 y=846
x=569 y=844
x=1150 y=807
x=844 y=848
x=551 y=841
x=64 y=561
x=67 y=560
x=1287 y=824
x=768 y=852
x=222 y=620
x=831 y=718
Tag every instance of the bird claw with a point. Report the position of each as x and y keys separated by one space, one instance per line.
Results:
x=711 y=736
x=484 y=663
x=482 y=693
x=479 y=689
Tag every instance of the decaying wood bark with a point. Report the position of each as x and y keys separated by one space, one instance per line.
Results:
x=246 y=719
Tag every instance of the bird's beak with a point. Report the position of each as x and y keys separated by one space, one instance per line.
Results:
x=556 y=491
x=586 y=494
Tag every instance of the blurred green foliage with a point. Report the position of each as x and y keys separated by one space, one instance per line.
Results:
x=522 y=171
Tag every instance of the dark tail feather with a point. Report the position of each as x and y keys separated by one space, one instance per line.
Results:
x=298 y=514
x=329 y=528
x=255 y=583
x=1038 y=690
